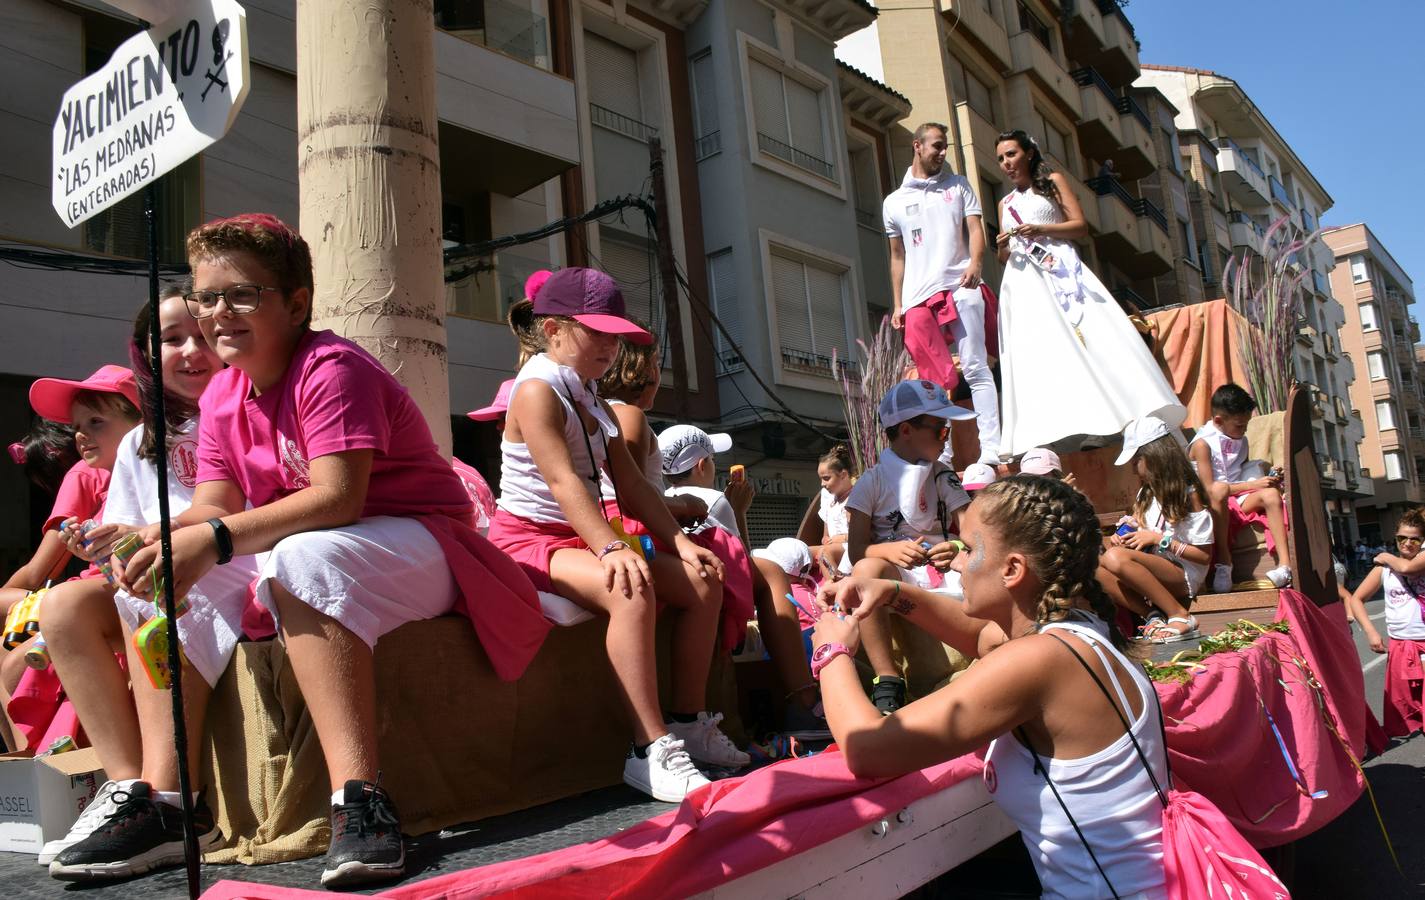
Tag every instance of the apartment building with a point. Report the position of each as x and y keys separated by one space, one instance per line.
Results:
x=1242 y=178
x=1065 y=75
x=1381 y=338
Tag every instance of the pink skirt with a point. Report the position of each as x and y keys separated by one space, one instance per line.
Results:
x=1237 y=520
x=532 y=544
x=1404 y=680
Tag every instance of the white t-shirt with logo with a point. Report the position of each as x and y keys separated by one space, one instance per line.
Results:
x=877 y=493
x=1195 y=530
x=1404 y=597
x=133 y=488
x=928 y=215
x=832 y=513
x=720 y=512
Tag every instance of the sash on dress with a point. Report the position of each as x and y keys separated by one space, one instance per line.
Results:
x=1064 y=274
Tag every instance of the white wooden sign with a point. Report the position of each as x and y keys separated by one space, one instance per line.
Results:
x=164 y=96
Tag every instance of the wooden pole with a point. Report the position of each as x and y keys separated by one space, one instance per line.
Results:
x=369 y=180
x=668 y=281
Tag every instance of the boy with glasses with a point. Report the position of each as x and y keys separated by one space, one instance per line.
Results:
x=904 y=512
x=1402 y=574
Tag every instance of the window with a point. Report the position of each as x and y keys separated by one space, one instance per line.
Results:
x=1375 y=364
x=722 y=280
x=1031 y=23
x=1056 y=143
x=1359 y=270
x=1393 y=468
x=980 y=96
x=1170 y=140
x=811 y=319
x=790 y=119
x=1189 y=247
x=629 y=259
x=1385 y=416
x=866 y=188
x=615 y=93
x=707 y=139
x=1368 y=316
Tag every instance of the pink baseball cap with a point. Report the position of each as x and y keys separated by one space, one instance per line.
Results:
x=592 y=299
x=1040 y=461
x=52 y=397
x=498 y=406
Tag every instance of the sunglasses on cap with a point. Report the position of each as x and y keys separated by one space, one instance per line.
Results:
x=1402 y=540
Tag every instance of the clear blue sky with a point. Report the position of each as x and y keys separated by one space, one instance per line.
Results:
x=1344 y=84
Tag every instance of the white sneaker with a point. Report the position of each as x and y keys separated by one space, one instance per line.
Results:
x=707 y=744
x=1280 y=576
x=667 y=773
x=94 y=815
x=1221 y=579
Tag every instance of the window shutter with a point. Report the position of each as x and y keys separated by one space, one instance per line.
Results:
x=768 y=103
x=722 y=278
x=867 y=188
x=1375 y=364
x=804 y=106
x=704 y=95
x=789 y=292
x=828 y=320
x=1385 y=416
x=628 y=261
x=612 y=71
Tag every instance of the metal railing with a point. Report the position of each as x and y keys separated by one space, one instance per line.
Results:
x=1145 y=208
x=1320 y=282
x=707 y=145
x=1129 y=106
x=1104 y=185
x=1088 y=75
x=1308 y=222
x=1129 y=295
x=818 y=363
x=1237 y=217
x=1279 y=192
x=1229 y=144
x=510 y=28
x=799 y=158
x=625 y=125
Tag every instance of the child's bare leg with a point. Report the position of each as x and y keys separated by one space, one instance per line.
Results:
x=82 y=629
x=782 y=631
x=577 y=575
x=155 y=718
x=1150 y=577
x=12 y=666
x=698 y=602
x=1111 y=586
x=1268 y=501
x=876 y=628
x=1217 y=494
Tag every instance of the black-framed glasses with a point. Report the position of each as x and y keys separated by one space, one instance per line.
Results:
x=940 y=425
x=240 y=298
x=1403 y=539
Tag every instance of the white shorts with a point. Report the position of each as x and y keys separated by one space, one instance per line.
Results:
x=372 y=577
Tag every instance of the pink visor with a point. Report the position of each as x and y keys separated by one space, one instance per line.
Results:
x=52 y=397
x=615 y=325
x=498 y=406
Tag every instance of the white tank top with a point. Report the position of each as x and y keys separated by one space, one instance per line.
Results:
x=1109 y=793
x=524 y=490
x=652 y=466
x=1228 y=455
x=1404 y=597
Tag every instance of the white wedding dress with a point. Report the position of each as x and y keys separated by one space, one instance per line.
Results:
x=1070 y=361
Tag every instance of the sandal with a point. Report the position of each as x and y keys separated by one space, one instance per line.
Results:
x=1166 y=634
x=1151 y=624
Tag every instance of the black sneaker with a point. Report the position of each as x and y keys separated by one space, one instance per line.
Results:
x=142 y=834
x=366 y=838
x=888 y=693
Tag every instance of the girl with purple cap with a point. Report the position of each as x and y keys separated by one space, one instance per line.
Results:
x=560 y=439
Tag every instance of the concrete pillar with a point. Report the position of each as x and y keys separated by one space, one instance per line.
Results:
x=369 y=182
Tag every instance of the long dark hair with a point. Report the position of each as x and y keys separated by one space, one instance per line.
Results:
x=46 y=453
x=1172 y=480
x=176 y=409
x=1039 y=170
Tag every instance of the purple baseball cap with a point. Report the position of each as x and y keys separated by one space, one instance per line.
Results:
x=498 y=406
x=592 y=299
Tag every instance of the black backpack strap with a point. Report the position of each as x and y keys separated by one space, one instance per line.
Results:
x=1044 y=770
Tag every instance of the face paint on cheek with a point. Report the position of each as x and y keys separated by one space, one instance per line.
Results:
x=977 y=559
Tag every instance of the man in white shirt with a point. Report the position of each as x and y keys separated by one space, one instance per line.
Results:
x=937 y=243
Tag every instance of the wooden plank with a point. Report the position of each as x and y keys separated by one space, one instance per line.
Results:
x=1308 y=535
x=1235 y=600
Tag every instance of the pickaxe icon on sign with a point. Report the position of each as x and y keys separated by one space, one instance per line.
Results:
x=220 y=61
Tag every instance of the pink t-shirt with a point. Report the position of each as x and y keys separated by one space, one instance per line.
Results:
x=81 y=494
x=334 y=397
x=480 y=494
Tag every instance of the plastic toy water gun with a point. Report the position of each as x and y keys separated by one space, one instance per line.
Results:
x=641 y=542
x=151 y=638
x=24 y=619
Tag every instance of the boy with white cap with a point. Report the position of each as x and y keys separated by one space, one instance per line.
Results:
x=904 y=512
x=689 y=467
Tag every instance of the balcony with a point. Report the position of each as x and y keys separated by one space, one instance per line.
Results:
x=1318 y=402
x=978 y=135
x=1279 y=194
x=1084 y=36
x=1119 y=235
x=980 y=26
x=1245 y=180
x=1088 y=200
x=1029 y=55
x=1309 y=223
x=489 y=285
x=1342 y=414
x=1306 y=335
x=1246 y=232
x=794 y=360
x=1118 y=60
x=1131 y=298
x=506 y=27
x=1139 y=155
x=799 y=158
x=1099 y=130
x=1321 y=283
x=1157 y=247
x=1333 y=352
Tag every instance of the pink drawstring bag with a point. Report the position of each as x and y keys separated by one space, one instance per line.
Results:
x=1205 y=857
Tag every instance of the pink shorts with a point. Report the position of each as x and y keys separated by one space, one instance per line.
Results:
x=1237 y=520
x=533 y=544
x=1404 y=684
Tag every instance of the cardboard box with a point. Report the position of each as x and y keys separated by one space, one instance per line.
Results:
x=40 y=798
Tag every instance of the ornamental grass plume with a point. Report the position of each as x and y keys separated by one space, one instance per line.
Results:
x=1266 y=290
x=883 y=364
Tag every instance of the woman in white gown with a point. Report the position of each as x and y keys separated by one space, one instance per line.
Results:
x=1070 y=361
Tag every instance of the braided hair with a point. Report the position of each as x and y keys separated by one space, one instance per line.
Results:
x=1039 y=170
x=1057 y=531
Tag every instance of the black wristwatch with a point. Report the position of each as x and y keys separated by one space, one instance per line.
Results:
x=224 y=539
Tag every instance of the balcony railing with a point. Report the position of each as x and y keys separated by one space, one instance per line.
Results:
x=1247 y=160
x=819 y=364
x=1145 y=208
x=1128 y=106
x=1237 y=217
x=1308 y=222
x=1089 y=76
x=1111 y=8
x=1279 y=192
x=707 y=145
x=625 y=125
x=1321 y=283
x=1103 y=185
x=799 y=158
x=1128 y=295
x=510 y=28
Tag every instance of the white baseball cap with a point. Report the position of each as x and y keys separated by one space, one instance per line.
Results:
x=909 y=399
x=683 y=445
x=977 y=475
x=1139 y=433
x=1040 y=461
x=791 y=556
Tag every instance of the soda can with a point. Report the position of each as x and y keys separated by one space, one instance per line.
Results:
x=62 y=744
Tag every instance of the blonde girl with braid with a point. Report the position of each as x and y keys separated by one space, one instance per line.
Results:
x=1034 y=616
